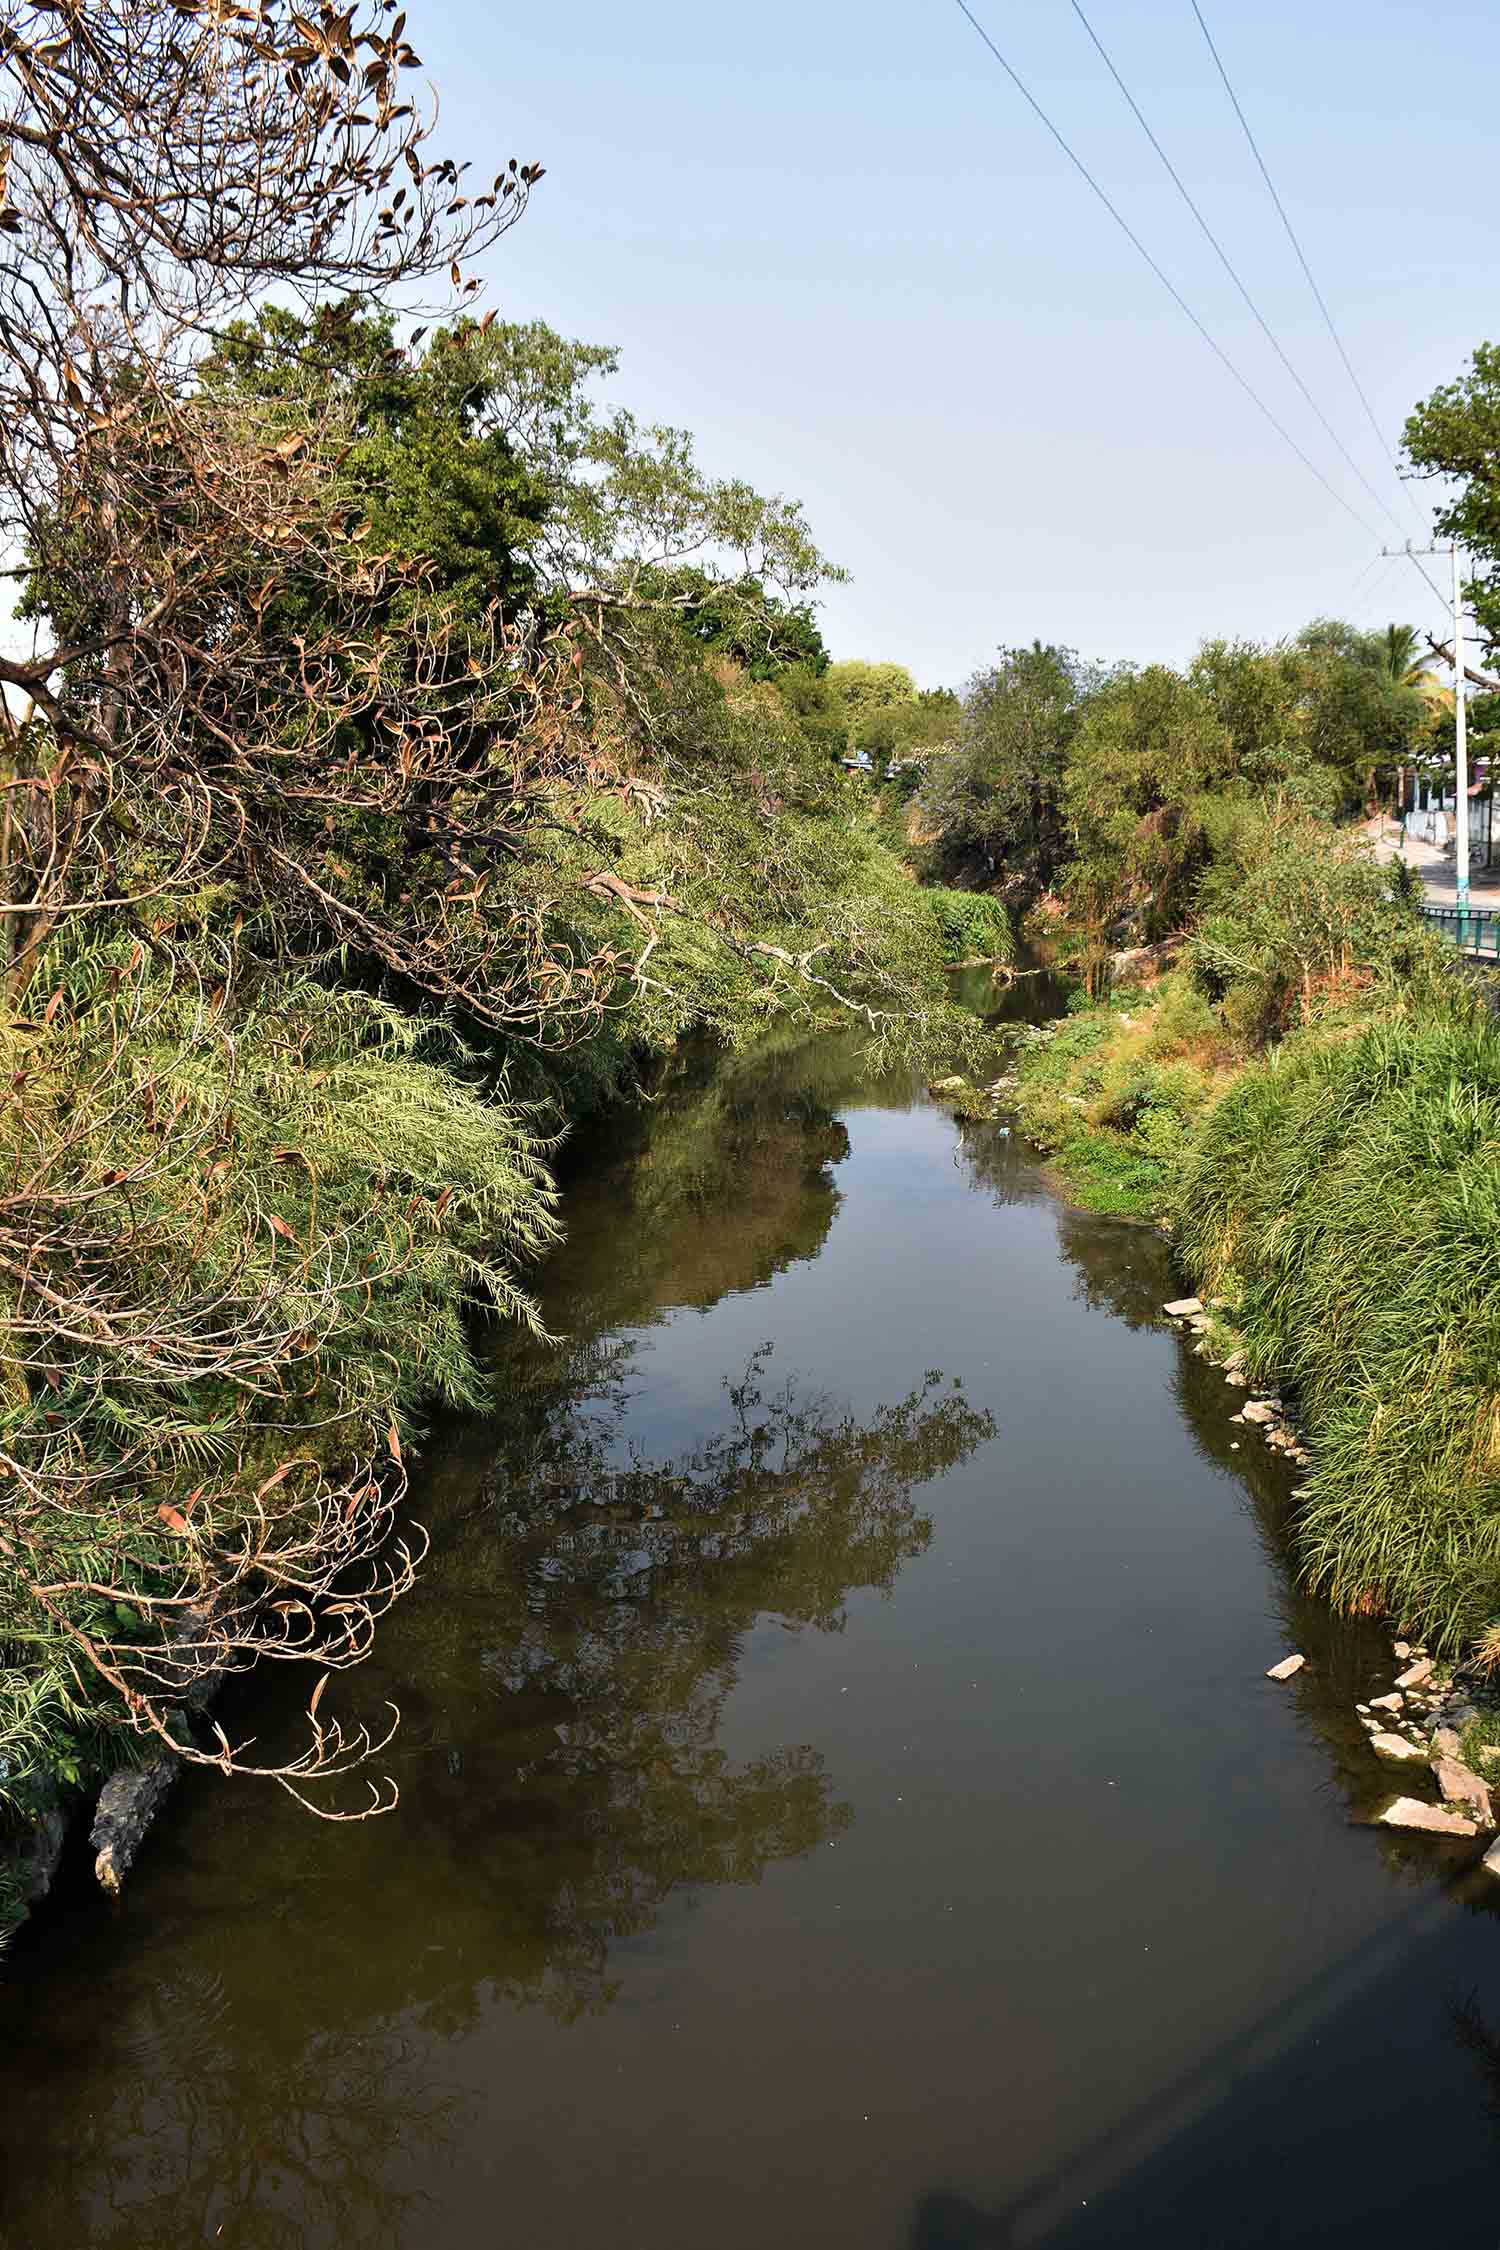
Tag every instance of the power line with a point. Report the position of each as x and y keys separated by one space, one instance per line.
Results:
x=1291 y=232
x=1170 y=286
x=1373 y=564
x=1225 y=261
x=1417 y=564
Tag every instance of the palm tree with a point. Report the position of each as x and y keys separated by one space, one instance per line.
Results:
x=1399 y=659
x=1405 y=673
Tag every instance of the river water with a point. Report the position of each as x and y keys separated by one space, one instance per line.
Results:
x=843 y=1807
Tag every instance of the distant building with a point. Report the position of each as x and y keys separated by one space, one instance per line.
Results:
x=1428 y=803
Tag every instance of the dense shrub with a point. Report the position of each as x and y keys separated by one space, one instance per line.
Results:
x=259 y=1222
x=974 y=925
x=1297 y=922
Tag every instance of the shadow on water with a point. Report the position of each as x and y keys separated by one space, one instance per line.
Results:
x=806 y=1758
x=1299 y=2132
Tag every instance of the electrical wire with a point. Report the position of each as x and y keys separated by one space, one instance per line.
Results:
x=1169 y=285
x=1381 y=439
x=1375 y=560
x=1417 y=562
x=1226 y=262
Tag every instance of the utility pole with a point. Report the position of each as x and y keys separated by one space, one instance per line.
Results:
x=1461 y=751
x=1460 y=729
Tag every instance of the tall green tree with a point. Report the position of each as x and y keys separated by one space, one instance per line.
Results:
x=1150 y=761
x=1453 y=438
x=1361 y=716
x=992 y=806
x=1401 y=656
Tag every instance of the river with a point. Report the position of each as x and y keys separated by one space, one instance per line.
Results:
x=842 y=1804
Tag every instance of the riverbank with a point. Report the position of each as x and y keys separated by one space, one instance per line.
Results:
x=1438 y=1723
x=1335 y=1188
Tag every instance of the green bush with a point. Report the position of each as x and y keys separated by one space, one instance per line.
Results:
x=1299 y=924
x=974 y=926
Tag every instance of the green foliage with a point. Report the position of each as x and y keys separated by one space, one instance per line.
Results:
x=1112 y=1094
x=908 y=731
x=1167 y=774
x=863 y=687
x=1313 y=1102
x=270 y=1223
x=1148 y=754
x=1362 y=708
x=1455 y=435
x=1260 y=696
x=430 y=464
x=1345 y=1195
x=991 y=806
x=766 y=638
x=1297 y=923
x=975 y=927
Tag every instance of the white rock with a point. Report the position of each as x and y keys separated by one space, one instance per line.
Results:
x=1491 y=1861
x=1415 y=1674
x=1259 y=1410
x=1285 y=1669
x=1183 y=1308
x=1387 y=1702
x=1403 y=1650
x=1398 y=1749
x=1410 y=1812
x=1460 y=1787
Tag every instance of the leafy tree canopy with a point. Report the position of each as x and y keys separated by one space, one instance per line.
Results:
x=1455 y=435
x=992 y=806
x=863 y=687
x=738 y=618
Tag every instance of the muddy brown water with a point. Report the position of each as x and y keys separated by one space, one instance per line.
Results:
x=842 y=1805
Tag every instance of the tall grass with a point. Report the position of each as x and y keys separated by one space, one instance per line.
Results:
x=1312 y=1103
x=1345 y=1193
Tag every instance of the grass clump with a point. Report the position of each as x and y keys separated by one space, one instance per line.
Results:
x=1346 y=1193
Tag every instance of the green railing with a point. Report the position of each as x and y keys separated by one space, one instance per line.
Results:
x=1473 y=929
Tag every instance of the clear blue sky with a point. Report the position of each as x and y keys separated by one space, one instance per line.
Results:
x=831 y=240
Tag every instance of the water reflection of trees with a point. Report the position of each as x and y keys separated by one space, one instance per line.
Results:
x=618 y=1596
x=722 y=1180
x=565 y=1669
x=195 y=2141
